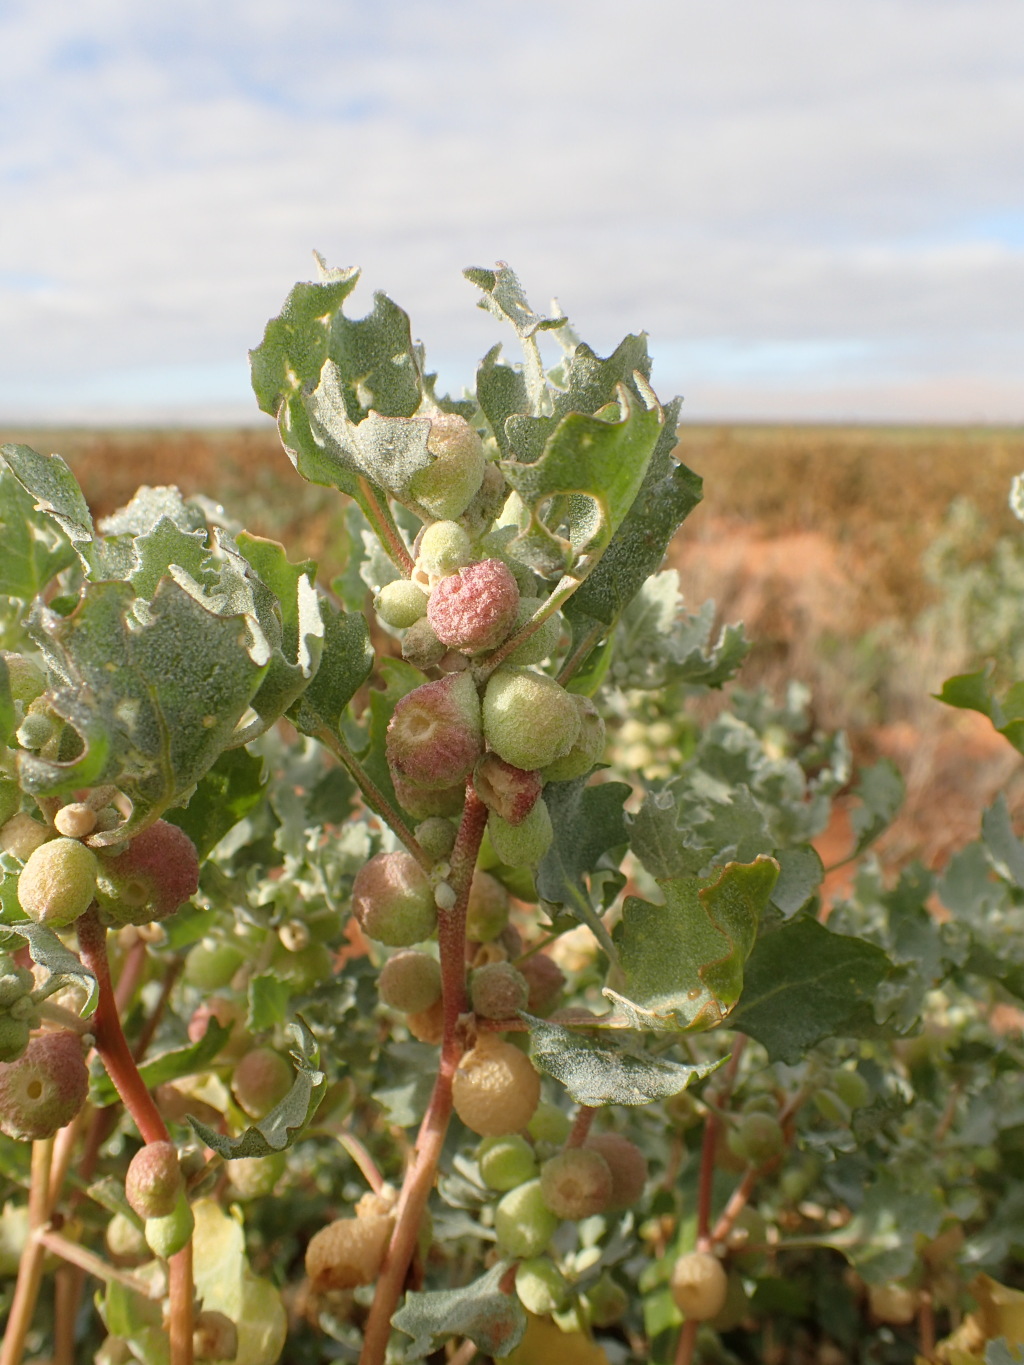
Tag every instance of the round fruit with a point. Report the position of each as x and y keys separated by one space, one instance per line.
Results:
x=58 y=882
x=545 y=979
x=627 y=1164
x=36 y=729
x=427 y=1025
x=892 y=1303
x=254 y=1177
x=507 y=791
x=529 y=719
x=434 y=735
x=444 y=548
x=541 y=1286
x=421 y=647
x=549 y=1124
x=523 y=1223
x=487 y=912
x=831 y=1107
x=422 y=803
x=125 y=1240
x=348 y=1252
x=757 y=1138
x=497 y=991
x=76 y=820
x=448 y=485
x=852 y=1089
x=522 y=845
x=209 y=965
x=15 y=982
x=577 y=1183
x=156 y=873
x=261 y=1079
x=436 y=836
x=400 y=604
x=166 y=1236
x=410 y=982
x=495 y=1088
x=45 y=1088
x=26 y=680
x=543 y=642
x=154 y=1181
x=303 y=968
x=699 y=1285
x=475 y=608
x=21 y=835
x=607 y=1301
x=14 y=1037
x=506 y=1162
x=393 y=900
x=588 y=749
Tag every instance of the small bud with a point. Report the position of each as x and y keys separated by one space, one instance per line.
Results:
x=474 y=609
x=529 y=719
x=436 y=836
x=444 y=896
x=509 y=792
x=157 y=873
x=154 y=1181
x=400 y=604
x=522 y=845
x=447 y=486
x=75 y=820
x=421 y=647
x=393 y=900
x=45 y=1088
x=444 y=548
x=434 y=736
x=58 y=882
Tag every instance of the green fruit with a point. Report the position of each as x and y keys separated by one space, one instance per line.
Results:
x=125 y=1240
x=166 y=1236
x=831 y=1107
x=154 y=1182
x=506 y=1162
x=36 y=729
x=549 y=1124
x=543 y=642
x=577 y=1183
x=756 y=1138
x=303 y=968
x=523 y=1223
x=541 y=1286
x=421 y=647
x=852 y=1089
x=58 y=882
x=209 y=966
x=436 y=836
x=14 y=1037
x=444 y=548
x=410 y=982
x=522 y=845
x=26 y=680
x=588 y=749
x=448 y=485
x=529 y=719
x=400 y=604
x=607 y=1301
x=254 y=1177
x=393 y=900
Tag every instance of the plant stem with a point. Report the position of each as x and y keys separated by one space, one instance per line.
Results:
x=379 y=516
x=687 y=1341
x=92 y=1264
x=419 y=1177
x=180 y=1294
x=580 y=654
x=363 y=1159
x=580 y=1130
x=372 y=794
x=30 y=1267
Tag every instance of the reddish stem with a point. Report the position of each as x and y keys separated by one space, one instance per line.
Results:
x=580 y=1130
x=379 y=516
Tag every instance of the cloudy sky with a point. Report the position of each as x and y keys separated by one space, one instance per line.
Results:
x=814 y=207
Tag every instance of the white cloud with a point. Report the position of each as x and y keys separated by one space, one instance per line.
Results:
x=811 y=184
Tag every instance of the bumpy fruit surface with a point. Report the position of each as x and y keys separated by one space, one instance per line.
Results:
x=436 y=836
x=58 y=882
x=576 y=1183
x=166 y=1236
x=155 y=875
x=45 y=1088
x=347 y=1252
x=628 y=1167
x=209 y=966
x=497 y=991
x=522 y=845
x=421 y=647
x=154 y=1181
x=444 y=548
x=393 y=900
x=699 y=1285
x=410 y=982
x=495 y=1088
x=475 y=608
x=545 y=979
x=14 y=1037
x=254 y=1177
x=448 y=485
x=588 y=749
x=425 y=803
x=400 y=604
x=21 y=835
x=434 y=736
x=510 y=792
x=76 y=820
x=523 y=1223
x=757 y=1138
x=487 y=912
x=261 y=1079
x=529 y=719
x=549 y=1124
x=543 y=642
x=541 y=1286
x=506 y=1162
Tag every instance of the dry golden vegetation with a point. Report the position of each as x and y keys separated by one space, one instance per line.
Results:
x=813 y=535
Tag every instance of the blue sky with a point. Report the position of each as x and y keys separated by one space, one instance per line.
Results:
x=814 y=207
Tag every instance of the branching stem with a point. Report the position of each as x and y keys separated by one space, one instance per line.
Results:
x=372 y=794
x=30 y=1267
x=379 y=516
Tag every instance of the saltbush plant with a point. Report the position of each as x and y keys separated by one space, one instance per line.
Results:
x=333 y=914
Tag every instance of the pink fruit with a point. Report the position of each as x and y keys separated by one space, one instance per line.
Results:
x=45 y=1088
x=627 y=1164
x=545 y=980
x=154 y=1180
x=510 y=792
x=435 y=734
x=475 y=609
x=393 y=900
x=157 y=873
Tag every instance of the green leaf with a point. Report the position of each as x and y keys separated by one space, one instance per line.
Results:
x=880 y=789
x=346 y=663
x=588 y=823
x=1004 y=848
x=972 y=692
x=501 y=390
x=683 y=961
x=658 y=643
x=268 y=1001
x=801 y=872
x=899 y=1209
x=285 y=1123
x=155 y=698
x=61 y=963
x=8 y=715
x=376 y=362
x=607 y=1069
x=294 y=346
x=805 y=983
x=36 y=549
x=226 y=793
x=168 y=1066
x=504 y=297
x=485 y=1311
x=592 y=470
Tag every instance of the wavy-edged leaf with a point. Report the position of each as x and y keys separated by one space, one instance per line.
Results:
x=278 y=1129
x=386 y=450
x=62 y=965
x=606 y=1069
x=588 y=822
x=225 y=794
x=346 y=663
x=36 y=548
x=503 y=296
x=376 y=361
x=487 y=1311
x=880 y=789
x=683 y=962
x=973 y=692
